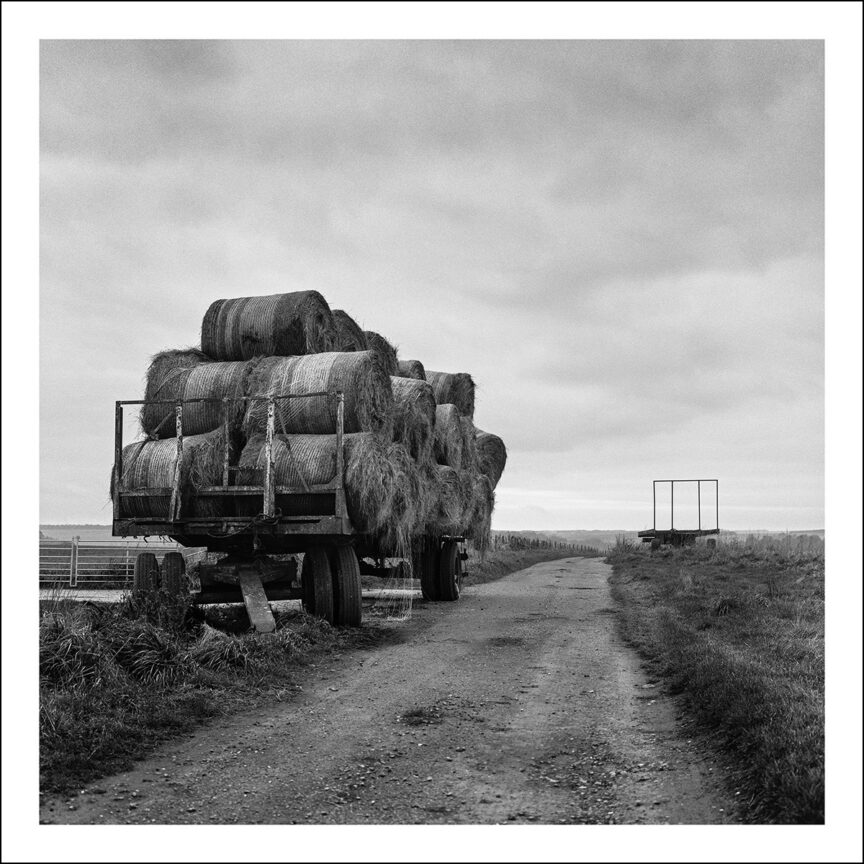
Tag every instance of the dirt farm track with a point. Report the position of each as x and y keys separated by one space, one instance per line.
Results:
x=518 y=704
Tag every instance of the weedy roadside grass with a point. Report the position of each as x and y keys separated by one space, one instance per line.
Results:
x=738 y=631
x=112 y=685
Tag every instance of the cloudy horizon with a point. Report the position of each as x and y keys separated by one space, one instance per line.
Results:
x=622 y=241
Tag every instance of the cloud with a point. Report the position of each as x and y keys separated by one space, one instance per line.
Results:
x=621 y=241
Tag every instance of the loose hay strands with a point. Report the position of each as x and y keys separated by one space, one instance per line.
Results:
x=191 y=374
x=358 y=374
x=454 y=438
x=387 y=351
x=415 y=499
x=410 y=502
x=455 y=388
x=411 y=369
x=454 y=492
x=276 y=325
x=349 y=334
x=375 y=476
x=413 y=416
x=151 y=465
x=491 y=455
x=479 y=516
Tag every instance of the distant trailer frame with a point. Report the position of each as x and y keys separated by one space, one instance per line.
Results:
x=673 y=536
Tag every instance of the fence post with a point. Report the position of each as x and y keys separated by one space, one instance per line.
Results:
x=73 y=563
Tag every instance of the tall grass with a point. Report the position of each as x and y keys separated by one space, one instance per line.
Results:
x=739 y=632
x=113 y=683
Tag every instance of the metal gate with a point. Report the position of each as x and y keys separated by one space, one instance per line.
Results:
x=101 y=563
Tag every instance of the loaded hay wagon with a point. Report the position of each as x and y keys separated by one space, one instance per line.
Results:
x=292 y=431
x=310 y=518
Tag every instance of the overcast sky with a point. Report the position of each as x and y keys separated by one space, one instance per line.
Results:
x=621 y=241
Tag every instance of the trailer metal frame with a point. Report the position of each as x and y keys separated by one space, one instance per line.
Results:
x=682 y=536
x=248 y=574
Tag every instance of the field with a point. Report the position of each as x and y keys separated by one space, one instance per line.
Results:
x=83 y=532
x=739 y=633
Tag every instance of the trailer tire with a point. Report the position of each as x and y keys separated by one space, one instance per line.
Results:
x=146 y=574
x=173 y=574
x=317 y=583
x=429 y=559
x=347 y=597
x=449 y=571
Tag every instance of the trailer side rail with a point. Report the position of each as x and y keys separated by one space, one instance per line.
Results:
x=176 y=522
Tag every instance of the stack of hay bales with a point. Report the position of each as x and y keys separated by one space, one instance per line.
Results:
x=414 y=462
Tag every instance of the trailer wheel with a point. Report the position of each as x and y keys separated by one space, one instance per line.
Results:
x=347 y=599
x=429 y=559
x=317 y=583
x=449 y=571
x=173 y=573
x=146 y=573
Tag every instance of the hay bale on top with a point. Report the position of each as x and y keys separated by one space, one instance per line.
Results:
x=191 y=374
x=387 y=351
x=151 y=465
x=413 y=416
x=373 y=478
x=454 y=438
x=411 y=369
x=454 y=388
x=357 y=374
x=491 y=455
x=349 y=334
x=281 y=325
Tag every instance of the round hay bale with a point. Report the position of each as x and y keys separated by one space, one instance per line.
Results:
x=191 y=374
x=411 y=369
x=281 y=325
x=387 y=351
x=357 y=374
x=455 y=388
x=491 y=455
x=413 y=416
x=151 y=465
x=349 y=334
x=454 y=438
x=372 y=476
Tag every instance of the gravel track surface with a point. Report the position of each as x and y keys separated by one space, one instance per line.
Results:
x=518 y=704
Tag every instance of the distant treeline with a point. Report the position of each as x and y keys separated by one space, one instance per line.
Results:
x=519 y=541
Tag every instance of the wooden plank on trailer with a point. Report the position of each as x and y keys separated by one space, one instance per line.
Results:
x=256 y=603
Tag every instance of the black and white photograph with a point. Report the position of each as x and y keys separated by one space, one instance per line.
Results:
x=430 y=429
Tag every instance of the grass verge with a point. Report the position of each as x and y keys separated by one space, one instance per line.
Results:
x=739 y=633
x=113 y=686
